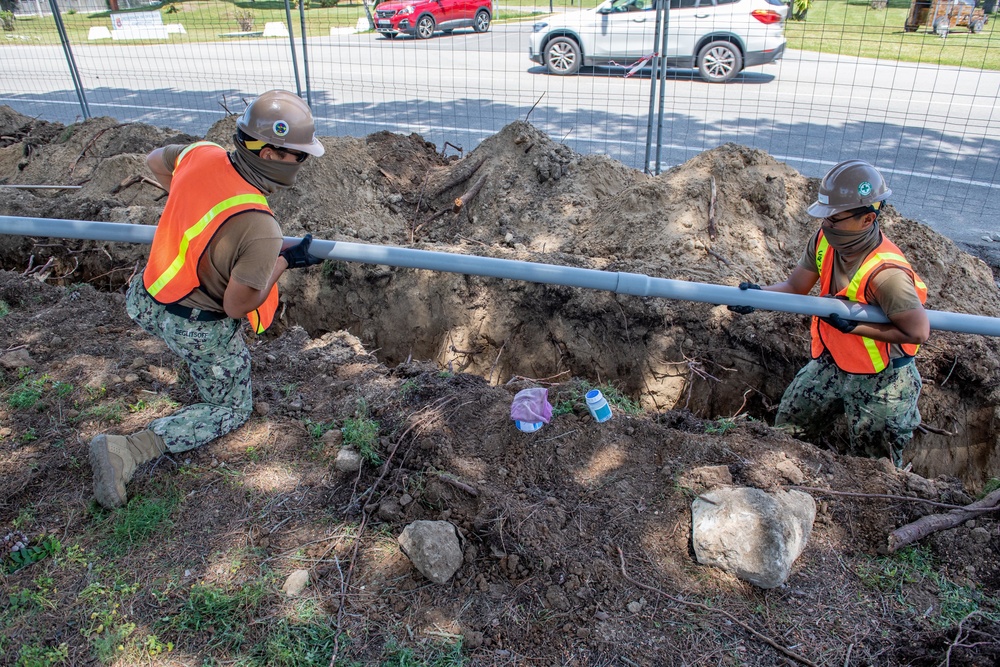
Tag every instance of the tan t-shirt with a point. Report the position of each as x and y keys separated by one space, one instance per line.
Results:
x=245 y=249
x=891 y=289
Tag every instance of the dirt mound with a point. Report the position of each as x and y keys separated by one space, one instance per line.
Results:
x=577 y=548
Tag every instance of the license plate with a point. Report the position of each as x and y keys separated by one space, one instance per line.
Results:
x=383 y=24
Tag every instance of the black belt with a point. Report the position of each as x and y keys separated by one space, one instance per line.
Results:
x=194 y=314
x=899 y=362
x=191 y=314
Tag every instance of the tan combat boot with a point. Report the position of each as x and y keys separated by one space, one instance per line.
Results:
x=114 y=459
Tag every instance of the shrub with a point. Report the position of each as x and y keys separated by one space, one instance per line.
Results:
x=244 y=19
x=7 y=21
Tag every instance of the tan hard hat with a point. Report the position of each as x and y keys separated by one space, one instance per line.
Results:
x=849 y=185
x=281 y=119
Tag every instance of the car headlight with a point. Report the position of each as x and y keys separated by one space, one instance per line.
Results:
x=405 y=11
x=538 y=27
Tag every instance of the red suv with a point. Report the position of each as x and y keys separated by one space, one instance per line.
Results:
x=422 y=17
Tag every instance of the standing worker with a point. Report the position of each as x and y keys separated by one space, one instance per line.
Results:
x=216 y=259
x=863 y=370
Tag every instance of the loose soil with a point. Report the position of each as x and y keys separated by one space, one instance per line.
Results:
x=576 y=537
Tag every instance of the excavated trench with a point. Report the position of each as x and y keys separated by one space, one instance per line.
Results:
x=728 y=215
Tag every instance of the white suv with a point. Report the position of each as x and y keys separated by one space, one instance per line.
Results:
x=718 y=37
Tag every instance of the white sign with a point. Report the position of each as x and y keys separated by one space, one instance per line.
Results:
x=135 y=20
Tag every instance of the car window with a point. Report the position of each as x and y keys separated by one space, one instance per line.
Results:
x=690 y=4
x=632 y=5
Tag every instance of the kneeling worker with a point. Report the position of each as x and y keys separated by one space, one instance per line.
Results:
x=863 y=370
x=216 y=259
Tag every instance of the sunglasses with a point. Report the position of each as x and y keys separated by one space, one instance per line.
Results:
x=847 y=216
x=298 y=155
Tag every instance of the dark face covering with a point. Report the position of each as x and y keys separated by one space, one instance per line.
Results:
x=851 y=244
x=268 y=176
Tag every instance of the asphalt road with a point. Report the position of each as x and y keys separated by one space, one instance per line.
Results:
x=926 y=127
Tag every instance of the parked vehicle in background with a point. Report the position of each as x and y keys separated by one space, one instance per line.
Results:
x=718 y=37
x=422 y=18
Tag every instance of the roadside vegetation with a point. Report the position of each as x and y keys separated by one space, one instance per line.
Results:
x=844 y=27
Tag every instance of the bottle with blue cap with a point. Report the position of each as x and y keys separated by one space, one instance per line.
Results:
x=598 y=406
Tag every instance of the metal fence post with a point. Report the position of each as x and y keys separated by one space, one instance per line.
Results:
x=305 y=53
x=291 y=43
x=73 y=72
x=663 y=82
x=655 y=61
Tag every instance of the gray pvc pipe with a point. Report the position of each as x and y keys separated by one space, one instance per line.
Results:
x=622 y=283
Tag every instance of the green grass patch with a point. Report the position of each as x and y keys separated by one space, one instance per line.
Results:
x=4 y=308
x=42 y=656
x=22 y=558
x=361 y=433
x=990 y=487
x=227 y=611
x=853 y=28
x=914 y=566
x=139 y=520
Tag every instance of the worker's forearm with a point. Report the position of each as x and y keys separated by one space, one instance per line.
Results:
x=887 y=333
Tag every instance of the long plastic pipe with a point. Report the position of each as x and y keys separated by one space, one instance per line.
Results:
x=623 y=283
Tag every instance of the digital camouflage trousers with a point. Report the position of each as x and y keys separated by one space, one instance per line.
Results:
x=218 y=361
x=881 y=409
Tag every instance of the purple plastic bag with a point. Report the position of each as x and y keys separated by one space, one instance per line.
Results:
x=531 y=405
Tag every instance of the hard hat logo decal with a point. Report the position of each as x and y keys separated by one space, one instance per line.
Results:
x=280 y=128
x=865 y=188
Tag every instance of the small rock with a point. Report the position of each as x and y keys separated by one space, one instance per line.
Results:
x=296 y=583
x=472 y=639
x=970 y=524
x=56 y=341
x=434 y=549
x=921 y=486
x=137 y=363
x=347 y=460
x=707 y=477
x=636 y=606
x=131 y=378
x=261 y=408
x=113 y=380
x=886 y=466
x=17 y=359
x=790 y=471
x=333 y=437
x=295 y=406
x=981 y=535
x=390 y=510
x=601 y=615
x=405 y=499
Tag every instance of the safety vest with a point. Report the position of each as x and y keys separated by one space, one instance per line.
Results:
x=204 y=194
x=852 y=353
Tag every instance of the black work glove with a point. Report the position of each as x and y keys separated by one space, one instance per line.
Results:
x=298 y=255
x=839 y=323
x=744 y=310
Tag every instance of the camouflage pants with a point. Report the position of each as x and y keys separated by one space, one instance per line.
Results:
x=218 y=361
x=881 y=409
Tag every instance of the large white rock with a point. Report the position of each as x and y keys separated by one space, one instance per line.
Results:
x=752 y=534
x=275 y=29
x=434 y=549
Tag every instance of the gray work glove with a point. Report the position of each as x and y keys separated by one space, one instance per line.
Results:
x=839 y=323
x=744 y=310
x=298 y=255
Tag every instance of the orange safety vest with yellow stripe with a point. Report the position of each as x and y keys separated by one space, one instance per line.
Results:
x=206 y=191
x=852 y=353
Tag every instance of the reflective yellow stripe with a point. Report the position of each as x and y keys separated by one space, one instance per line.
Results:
x=194 y=230
x=852 y=289
x=821 y=247
x=874 y=354
x=187 y=150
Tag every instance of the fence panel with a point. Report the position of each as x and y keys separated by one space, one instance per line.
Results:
x=860 y=78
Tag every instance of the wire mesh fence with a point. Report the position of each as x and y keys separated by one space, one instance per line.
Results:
x=911 y=86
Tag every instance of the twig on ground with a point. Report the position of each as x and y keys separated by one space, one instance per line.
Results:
x=953 y=364
x=927 y=428
x=714 y=610
x=445 y=477
x=495 y=362
x=470 y=194
x=851 y=494
x=711 y=213
x=533 y=107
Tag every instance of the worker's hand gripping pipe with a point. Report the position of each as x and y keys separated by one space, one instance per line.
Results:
x=619 y=282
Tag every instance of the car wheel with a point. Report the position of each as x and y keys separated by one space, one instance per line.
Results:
x=425 y=27
x=563 y=56
x=941 y=26
x=719 y=62
x=977 y=26
x=482 y=21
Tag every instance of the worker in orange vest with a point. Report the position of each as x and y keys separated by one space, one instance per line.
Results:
x=863 y=370
x=215 y=260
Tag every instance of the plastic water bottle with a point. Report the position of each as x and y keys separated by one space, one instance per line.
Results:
x=528 y=427
x=598 y=406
